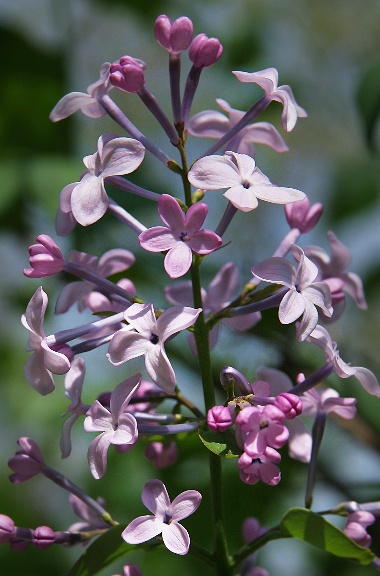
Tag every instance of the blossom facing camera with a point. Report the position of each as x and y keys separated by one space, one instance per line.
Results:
x=165 y=519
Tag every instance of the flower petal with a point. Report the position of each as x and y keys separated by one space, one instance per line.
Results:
x=204 y=241
x=122 y=394
x=195 y=216
x=155 y=497
x=37 y=375
x=185 y=504
x=214 y=173
x=125 y=345
x=142 y=318
x=176 y=538
x=171 y=213
x=157 y=239
x=97 y=454
x=209 y=124
x=178 y=260
x=89 y=201
x=276 y=271
x=142 y=529
x=242 y=198
x=115 y=261
x=121 y=156
x=159 y=368
x=291 y=307
x=175 y=319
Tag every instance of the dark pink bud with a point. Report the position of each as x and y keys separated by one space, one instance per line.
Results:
x=162 y=455
x=303 y=216
x=7 y=528
x=27 y=462
x=128 y=74
x=252 y=530
x=45 y=259
x=43 y=537
x=173 y=36
x=205 y=51
x=289 y=404
x=219 y=418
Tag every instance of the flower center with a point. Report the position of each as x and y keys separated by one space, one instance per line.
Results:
x=153 y=338
x=245 y=184
x=184 y=237
x=167 y=519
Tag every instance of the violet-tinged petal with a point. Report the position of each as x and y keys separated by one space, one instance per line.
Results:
x=173 y=36
x=209 y=124
x=178 y=260
x=97 y=454
x=176 y=319
x=37 y=375
x=159 y=368
x=214 y=173
x=142 y=529
x=205 y=51
x=368 y=380
x=89 y=201
x=195 y=216
x=155 y=497
x=55 y=361
x=121 y=156
x=98 y=418
x=275 y=270
x=74 y=101
x=157 y=239
x=181 y=293
x=126 y=345
x=308 y=321
x=122 y=394
x=176 y=538
x=242 y=198
x=126 y=432
x=291 y=307
x=142 y=318
x=71 y=293
x=115 y=261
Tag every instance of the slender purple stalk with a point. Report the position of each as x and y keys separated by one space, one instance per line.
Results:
x=66 y=335
x=317 y=435
x=291 y=238
x=270 y=302
x=151 y=430
x=154 y=107
x=226 y=219
x=175 y=75
x=125 y=217
x=190 y=89
x=313 y=379
x=123 y=184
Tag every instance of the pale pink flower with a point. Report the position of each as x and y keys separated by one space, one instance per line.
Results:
x=302 y=216
x=87 y=103
x=264 y=469
x=213 y=124
x=44 y=361
x=46 y=258
x=219 y=418
x=245 y=182
x=367 y=379
x=165 y=519
x=115 y=157
x=327 y=400
x=146 y=336
x=131 y=570
x=303 y=293
x=259 y=428
x=181 y=236
x=117 y=425
x=268 y=80
x=7 y=528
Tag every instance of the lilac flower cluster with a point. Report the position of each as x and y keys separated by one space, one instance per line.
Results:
x=308 y=287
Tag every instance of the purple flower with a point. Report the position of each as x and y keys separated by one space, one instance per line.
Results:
x=90 y=519
x=7 y=528
x=27 y=462
x=162 y=455
x=253 y=470
x=303 y=293
x=128 y=74
x=212 y=124
x=302 y=216
x=87 y=103
x=165 y=519
x=44 y=361
x=328 y=401
x=219 y=418
x=173 y=36
x=355 y=528
x=117 y=426
x=115 y=156
x=268 y=80
x=205 y=51
x=146 y=336
x=367 y=379
x=43 y=537
x=245 y=182
x=261 y=428
x=73 y=390
x=181 y=237
x=45 y=259
x=131 y=570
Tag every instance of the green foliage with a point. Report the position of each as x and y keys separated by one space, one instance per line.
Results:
x=368 y=100
x=220 y=443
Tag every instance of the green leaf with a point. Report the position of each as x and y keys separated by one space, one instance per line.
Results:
x=220 y=443
x=101 y=553
x=368 y=100
x=314 y=529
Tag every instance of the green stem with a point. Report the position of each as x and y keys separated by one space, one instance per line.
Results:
x=274 y=533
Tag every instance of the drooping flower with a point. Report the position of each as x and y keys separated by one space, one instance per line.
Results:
x=165 y=519
x=46 y=258
x=181 y=236
x=73 y=390
x=328 y=401
x=302 y=216
x=89 y=518
x=87 y=103
x=44 y=361
x=245 y=182
x=27 y=462
x=117 y=425
x=115 y=157
x=268 y=80
x=367 y=379
x=303 y=293
x=146 y=336
x=213 y=124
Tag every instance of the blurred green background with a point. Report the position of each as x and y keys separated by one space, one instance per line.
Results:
x=329 y=52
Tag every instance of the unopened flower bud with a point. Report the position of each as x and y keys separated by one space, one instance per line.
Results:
x=128 y=74
x=289 y=404
x=219 y=418
x=355 y=528
x=230 y=377
x=7 y=528
x=205 y=51
x=27 y=462
x=162 y=455
x=303 y=216
x=252 y=529
x=173 y=36
x=45 y=259
x=43 y=537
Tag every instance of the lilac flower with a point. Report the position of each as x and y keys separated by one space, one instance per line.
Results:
x=261 y=428
x=173 y=36
x=181 y=237
x=217 y=296
x=85 y=293
x=90 y=519
x=334 y=267
x=264 y=469
x=43 y=537
x=245 y=182
x=165 y=519
x=219 y=418
x=367 y=379
x=204 y=51
x=7 y=528
x=87 y=103
x=44 y=361
x=268 y=80
x=212 y=124
x=115 y=156
x=328 y=401
x=146 y=336
x=117 y=426
x=303 y=295
x=162 y=455
x=46 y=258
x=128 y=74
x=73 y=390
x=355 y=528
x=27 y=462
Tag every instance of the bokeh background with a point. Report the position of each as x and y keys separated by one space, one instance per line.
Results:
x=329 y=52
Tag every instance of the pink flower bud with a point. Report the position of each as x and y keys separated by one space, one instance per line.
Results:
x=205 y=51
x=7 y=528
x=27 y=462
x=173 y=36
x=300 y=215
x=357 y=523
x=252 y=530
x=128 y=74
x=162 y=455
x=45 y=259
x=43 y=537
x=289 y=404
x=219 y=418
